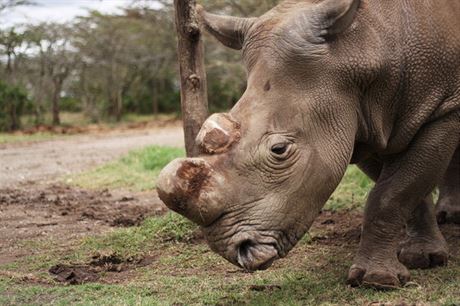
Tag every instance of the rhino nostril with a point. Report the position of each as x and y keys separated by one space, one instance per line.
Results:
x=256 y=256
x=244 y=253
x=244 y=248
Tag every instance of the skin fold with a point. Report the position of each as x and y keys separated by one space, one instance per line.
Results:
x=332 y=82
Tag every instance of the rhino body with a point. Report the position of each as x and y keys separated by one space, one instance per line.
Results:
x=332 y=82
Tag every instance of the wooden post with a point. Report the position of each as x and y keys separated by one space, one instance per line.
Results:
x=194 y=99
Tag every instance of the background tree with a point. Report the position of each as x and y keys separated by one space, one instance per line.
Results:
x=108 y=65
x=13 y=94
x=7 y=4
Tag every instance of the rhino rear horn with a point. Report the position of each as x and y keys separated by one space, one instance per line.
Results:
x=218 y=134
x=335 y=16
x=229 y=30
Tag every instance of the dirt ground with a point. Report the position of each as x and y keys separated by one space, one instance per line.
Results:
x=34 y=205
x=63 y=214
x=48 y=160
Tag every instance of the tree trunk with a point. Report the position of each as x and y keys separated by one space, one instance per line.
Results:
x=194 y=100
x=39 y=95
x=56 y=93
x=14 y=116
x=119 y=105
x=155 y=98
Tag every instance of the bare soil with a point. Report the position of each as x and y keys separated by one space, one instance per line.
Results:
x=34 y=207
x=63 y=214
x=101 y=268
x=48 y=160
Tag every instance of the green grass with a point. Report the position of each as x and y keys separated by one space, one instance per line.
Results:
x=135 y=241
x=352 y=191
x=136 y=171
x=189 y=274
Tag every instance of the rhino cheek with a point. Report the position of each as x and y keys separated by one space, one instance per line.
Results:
x=187 y=186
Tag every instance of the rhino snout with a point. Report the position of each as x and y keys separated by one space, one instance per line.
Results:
x=186 y=186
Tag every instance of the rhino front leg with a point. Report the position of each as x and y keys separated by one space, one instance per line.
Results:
x=405 y=180
x=424 y=246
x=448 y=208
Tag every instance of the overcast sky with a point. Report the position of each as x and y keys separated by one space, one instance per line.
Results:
x=59 y=10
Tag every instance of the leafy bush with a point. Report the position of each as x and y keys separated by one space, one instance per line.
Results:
x=13 y=100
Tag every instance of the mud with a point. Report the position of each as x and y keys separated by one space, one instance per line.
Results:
x=62 y=214
x=102 y=268
x=74 y=275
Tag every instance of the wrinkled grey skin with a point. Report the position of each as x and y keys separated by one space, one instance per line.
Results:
x=331 y=83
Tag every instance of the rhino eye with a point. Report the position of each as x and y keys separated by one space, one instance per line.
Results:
x=279 y=148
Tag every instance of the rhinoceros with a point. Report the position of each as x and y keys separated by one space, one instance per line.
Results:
x=329 y=83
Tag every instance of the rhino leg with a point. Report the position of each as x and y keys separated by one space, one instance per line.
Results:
x=403 y=182
x=424 y=246
x=448 y=208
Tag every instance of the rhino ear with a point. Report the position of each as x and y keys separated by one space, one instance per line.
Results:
x=335 y=16
x=230 y=31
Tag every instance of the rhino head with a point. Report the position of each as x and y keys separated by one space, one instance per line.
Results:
x=268 y=166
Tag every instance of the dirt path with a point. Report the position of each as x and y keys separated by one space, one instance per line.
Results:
x=46 y=161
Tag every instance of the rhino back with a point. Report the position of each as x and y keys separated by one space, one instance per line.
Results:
x=419 y=42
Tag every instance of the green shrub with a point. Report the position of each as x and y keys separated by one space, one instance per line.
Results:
x=13 y=101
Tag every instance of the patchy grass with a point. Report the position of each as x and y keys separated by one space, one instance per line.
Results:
x=183 y=271
x=19 y=137
x=135 y=241
x=136 y=171
x=80 y=119
x=78 y=123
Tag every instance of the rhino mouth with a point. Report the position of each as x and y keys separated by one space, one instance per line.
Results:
x=253 y=256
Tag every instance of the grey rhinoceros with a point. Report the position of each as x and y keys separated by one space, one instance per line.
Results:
x=332 y=82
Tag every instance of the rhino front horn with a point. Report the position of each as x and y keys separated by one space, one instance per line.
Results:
x=186 y=186
x=218 y=134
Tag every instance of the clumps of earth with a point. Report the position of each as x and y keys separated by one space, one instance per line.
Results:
x=60 y=200
x=65 y=214
x=100 y=263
